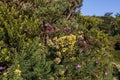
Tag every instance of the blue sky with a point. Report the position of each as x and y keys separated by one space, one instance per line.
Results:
x=100 y=7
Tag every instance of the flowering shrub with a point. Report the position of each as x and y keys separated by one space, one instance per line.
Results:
x=40 y=42
x=81 y=54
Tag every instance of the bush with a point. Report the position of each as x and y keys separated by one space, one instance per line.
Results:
x=40 y=41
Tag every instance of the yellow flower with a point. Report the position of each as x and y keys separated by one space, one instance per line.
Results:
x=4 y=50
x=58 y=54
x=66 y=42
x=40 y=44
x=62 y=45
x=2 y=42
x=71 y=39
x=56 y=46
x=18 y=65
x=50 y=43
x=17 y=71
x=64 y=49
x=39 y=78
x=4 y=73
x=55 y=38
x=80 y=32
x=57 y=60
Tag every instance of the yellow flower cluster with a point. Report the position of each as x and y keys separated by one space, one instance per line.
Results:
x=49 y=42
x=63 y=41
x=63 y=44
x=66 y=42
x=18 y=72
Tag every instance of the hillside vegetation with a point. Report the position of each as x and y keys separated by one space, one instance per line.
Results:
x=48 y=40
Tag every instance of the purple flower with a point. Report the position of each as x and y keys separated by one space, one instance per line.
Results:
x=106 y=73
x=77 y=66
x=85 y=43
x=96 y=62
x=2 y=68
x=49 y=28
x=48 y=25
x=81 y=36
x=68 y=29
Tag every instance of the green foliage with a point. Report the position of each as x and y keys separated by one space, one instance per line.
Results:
x=5 y=54
x=46 y=39
x=87 y=21
x=31 y=62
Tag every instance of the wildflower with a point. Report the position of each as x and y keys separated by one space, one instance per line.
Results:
x=57 y=60
x=78 y=66
x=48 y=25
x=55 y=38
x=4 y=73
x=81 y=36
x=68 y=30
x=85 y=43
x=57 y=47
x=96 y=61
x=106 y=73
x=80 y=32
x=58 y=54
x=66 y=42
x=50 y=43
x=40 y=44
x=4 y=50
x=64 y=49
x=2 y=68
x=72 y=39
x=18 y=65
x=49 y=28
x=17 y=71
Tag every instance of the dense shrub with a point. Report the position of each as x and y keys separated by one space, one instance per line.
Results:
x=48 y=40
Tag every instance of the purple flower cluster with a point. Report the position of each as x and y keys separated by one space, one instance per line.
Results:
x=48 y=25
x=67 y=30
x=49 y=28
x=81 y=36
x=106 y=73
x=78 y=66
x=2 y=68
